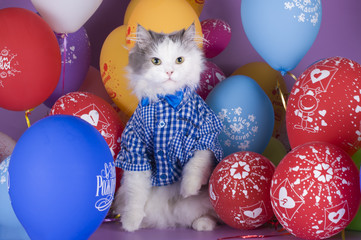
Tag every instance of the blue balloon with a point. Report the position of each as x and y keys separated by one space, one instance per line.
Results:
x=281 y=31
x=10 y=227
x=246 y=112
x=62 y=179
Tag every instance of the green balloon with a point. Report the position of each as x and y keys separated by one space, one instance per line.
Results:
x=275 y=151
x=356 y=222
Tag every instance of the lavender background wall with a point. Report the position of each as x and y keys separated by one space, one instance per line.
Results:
x=340 y=35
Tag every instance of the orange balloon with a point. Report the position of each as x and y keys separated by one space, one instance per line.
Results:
x=197 y=5
x=131 y=6
x=164 y=16
x=113 y=59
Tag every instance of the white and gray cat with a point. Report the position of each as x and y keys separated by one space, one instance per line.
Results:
x=169 y=146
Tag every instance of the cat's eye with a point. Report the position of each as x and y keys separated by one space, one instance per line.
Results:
x=156 y=61
x=179 y=60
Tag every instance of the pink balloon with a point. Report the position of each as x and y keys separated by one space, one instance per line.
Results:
x=7 y=145
x=217 y=34
x=210 y=77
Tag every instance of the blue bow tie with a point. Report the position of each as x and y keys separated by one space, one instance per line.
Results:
x=173 y=100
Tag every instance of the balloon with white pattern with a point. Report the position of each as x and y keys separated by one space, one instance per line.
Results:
x=324 y=105
x=239 y=190
x=315 y=190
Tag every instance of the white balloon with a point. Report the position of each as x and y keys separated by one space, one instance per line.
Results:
x=7 y=145
x=66 y=16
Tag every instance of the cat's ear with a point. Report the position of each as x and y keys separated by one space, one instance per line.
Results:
x=143 y=37
x=190 y=33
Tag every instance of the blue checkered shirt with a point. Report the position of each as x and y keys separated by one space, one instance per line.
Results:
x=162 y=139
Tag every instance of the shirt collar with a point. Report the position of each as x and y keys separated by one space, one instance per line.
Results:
x=173 y=99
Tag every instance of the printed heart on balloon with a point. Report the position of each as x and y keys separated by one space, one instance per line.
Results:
x=324 y=105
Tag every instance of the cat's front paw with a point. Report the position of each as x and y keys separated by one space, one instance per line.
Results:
x=190 y=186
x=131 y=221
x=205 y=223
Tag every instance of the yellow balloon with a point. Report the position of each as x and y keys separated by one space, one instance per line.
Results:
x=275 y=151
x=129 y=10
x=164 y=16
x=267 y=78
x=113 y=59
x=197 y=5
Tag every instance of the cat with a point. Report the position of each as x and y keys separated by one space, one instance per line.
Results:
x=169 y=146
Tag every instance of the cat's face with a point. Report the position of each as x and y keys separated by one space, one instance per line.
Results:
x=164 y=63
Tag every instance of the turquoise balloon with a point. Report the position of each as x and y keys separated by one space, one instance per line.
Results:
x=246 y=113
x=281 y=31
x=10 y=227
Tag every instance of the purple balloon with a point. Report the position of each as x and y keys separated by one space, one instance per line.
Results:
x=17 y=3
x=76 y=49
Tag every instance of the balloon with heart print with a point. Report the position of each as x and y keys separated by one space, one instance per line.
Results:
x=66 y=16
x=95 y=111
x=325 y=105
x=239 y=190
x=315 y=190
x=217 y=34
x=210 y=77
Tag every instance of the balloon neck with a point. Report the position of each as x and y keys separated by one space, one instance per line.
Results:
x=283 y=73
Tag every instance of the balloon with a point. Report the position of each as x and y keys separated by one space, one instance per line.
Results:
x=281 y=31
x=93 y=83
x=18 y=3
x=356 y=221
x=66 y=16
x=76 y=48
x=217 y=34
x=130 y=8
x=210 y=77
x=246 y=113
x=7 y=145
x=268 y=78
x=113 y=59
x=62 y=179
x=96 y=111
x=324 y=105
x=162 y=16
x=275 y=151
x=315 y=190
x=10 y=227
x=29 y=60
x=239 y=190
x=197 y=5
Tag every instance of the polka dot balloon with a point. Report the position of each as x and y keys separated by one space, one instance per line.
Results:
x=315 y=190
x=239 y=190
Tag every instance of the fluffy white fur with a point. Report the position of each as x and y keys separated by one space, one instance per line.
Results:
x=154 y=79
x=185 y=203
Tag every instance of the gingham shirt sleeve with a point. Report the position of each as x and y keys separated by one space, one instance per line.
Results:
x=208 y=134
x=132 y=156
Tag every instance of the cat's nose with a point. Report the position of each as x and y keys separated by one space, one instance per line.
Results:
x=169 y=73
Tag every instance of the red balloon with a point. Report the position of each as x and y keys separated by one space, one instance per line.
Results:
x=210 y=77
x=95 y=111
x=315 y=190
x=324 y=105
x=239 y=190
x=30 y=60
